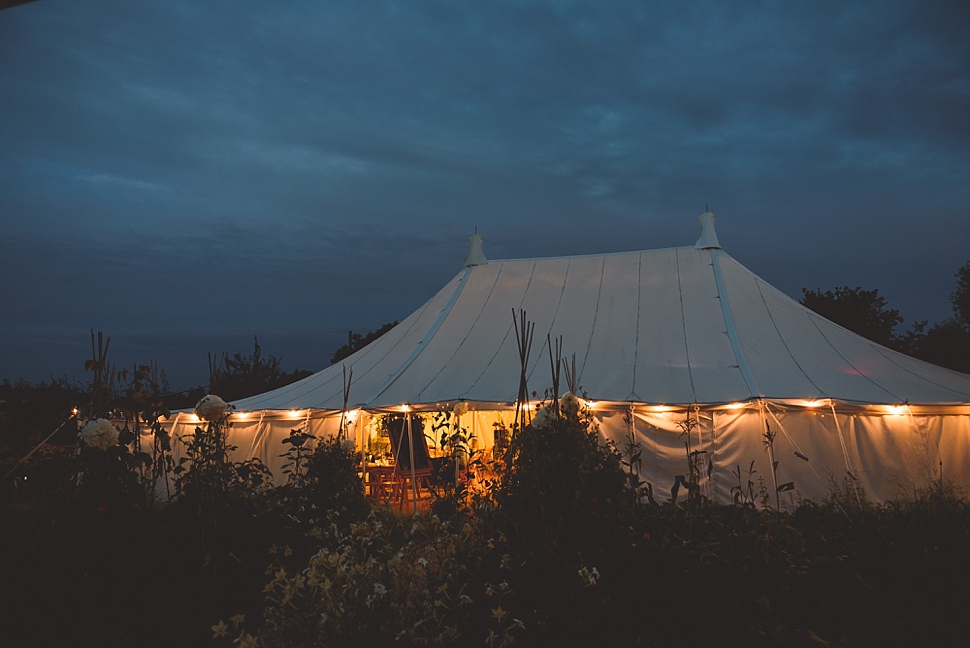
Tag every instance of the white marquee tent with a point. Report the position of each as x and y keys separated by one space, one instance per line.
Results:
x=656 y=334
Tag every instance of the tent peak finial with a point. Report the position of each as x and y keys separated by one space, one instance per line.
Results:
x=475 y=256
x=708 y=238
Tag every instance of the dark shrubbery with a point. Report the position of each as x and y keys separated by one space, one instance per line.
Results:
x=549 y=550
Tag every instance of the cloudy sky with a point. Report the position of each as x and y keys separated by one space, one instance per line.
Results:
x=183 y=175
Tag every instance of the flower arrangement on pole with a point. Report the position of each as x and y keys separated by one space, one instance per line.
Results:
x=99 y=433
x=107 y=479
x=207 y=478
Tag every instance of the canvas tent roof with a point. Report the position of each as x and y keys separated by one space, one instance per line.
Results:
x=670 y=326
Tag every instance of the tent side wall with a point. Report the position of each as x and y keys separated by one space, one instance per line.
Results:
x=817 y=450
x=885 y=455
x=260 y=435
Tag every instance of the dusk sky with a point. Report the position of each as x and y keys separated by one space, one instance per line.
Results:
x=184 y=175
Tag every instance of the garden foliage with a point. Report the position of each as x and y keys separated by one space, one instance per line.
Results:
x=555 y=541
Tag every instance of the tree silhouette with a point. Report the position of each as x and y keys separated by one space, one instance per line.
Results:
x=356 y=341
x=960 y=297
x=242 y=376
x=947 y=343
x=866 y=312
x=861 y=311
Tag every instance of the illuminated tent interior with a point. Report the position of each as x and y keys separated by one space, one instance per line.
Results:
x=656 y=334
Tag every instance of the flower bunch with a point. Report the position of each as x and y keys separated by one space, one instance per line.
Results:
x=542 y=418
x=588 y=577
x=416 y=581
x=100 y=433
x=569 y=405
x=211 y=408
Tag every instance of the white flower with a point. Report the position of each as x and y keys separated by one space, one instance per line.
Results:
x=211 y=408
x=100 y=433
x=379 y=589
x=461 y=407
x=248 y=641
x=423 y=562
x=219 y=630
x=569 y=404
x=589 y=577
x=349 y=445
x=542 y=419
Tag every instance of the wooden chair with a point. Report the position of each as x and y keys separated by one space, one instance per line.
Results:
x=405 y=479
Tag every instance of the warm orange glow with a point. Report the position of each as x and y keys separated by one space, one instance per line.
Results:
x=352 y=415
x=294 y=414
x=735 y=406
x=405 y=408
x=242 y=416
x=591 y=404
x=194 y=418
x=74 y=411
x=661 y=408
x=814 y=403
x=897 y=409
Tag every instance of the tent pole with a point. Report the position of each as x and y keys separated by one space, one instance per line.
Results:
x=414 y=486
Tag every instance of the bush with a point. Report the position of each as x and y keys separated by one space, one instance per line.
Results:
x=563 y=491
x=392 y=578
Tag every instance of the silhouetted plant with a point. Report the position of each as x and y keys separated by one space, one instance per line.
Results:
x=108 y=477
x=296 y=455
x=695 y=463
x=208 y=478
x=356 y=341
x=743 y=493
x=241 y=376
x=142 y=405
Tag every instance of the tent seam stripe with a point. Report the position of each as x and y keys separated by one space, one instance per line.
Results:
x=555 y=316
x=878 y=348
x=367 y=349
x=636 y=335
x=811 y=316
x=683 y=319
x=784 y=342
x=596 y=314
x=732 y=332
x=470 y=329
x=425 y=340
x=505 y=338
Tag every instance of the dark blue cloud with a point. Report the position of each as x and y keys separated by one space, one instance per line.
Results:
x=203 y=171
